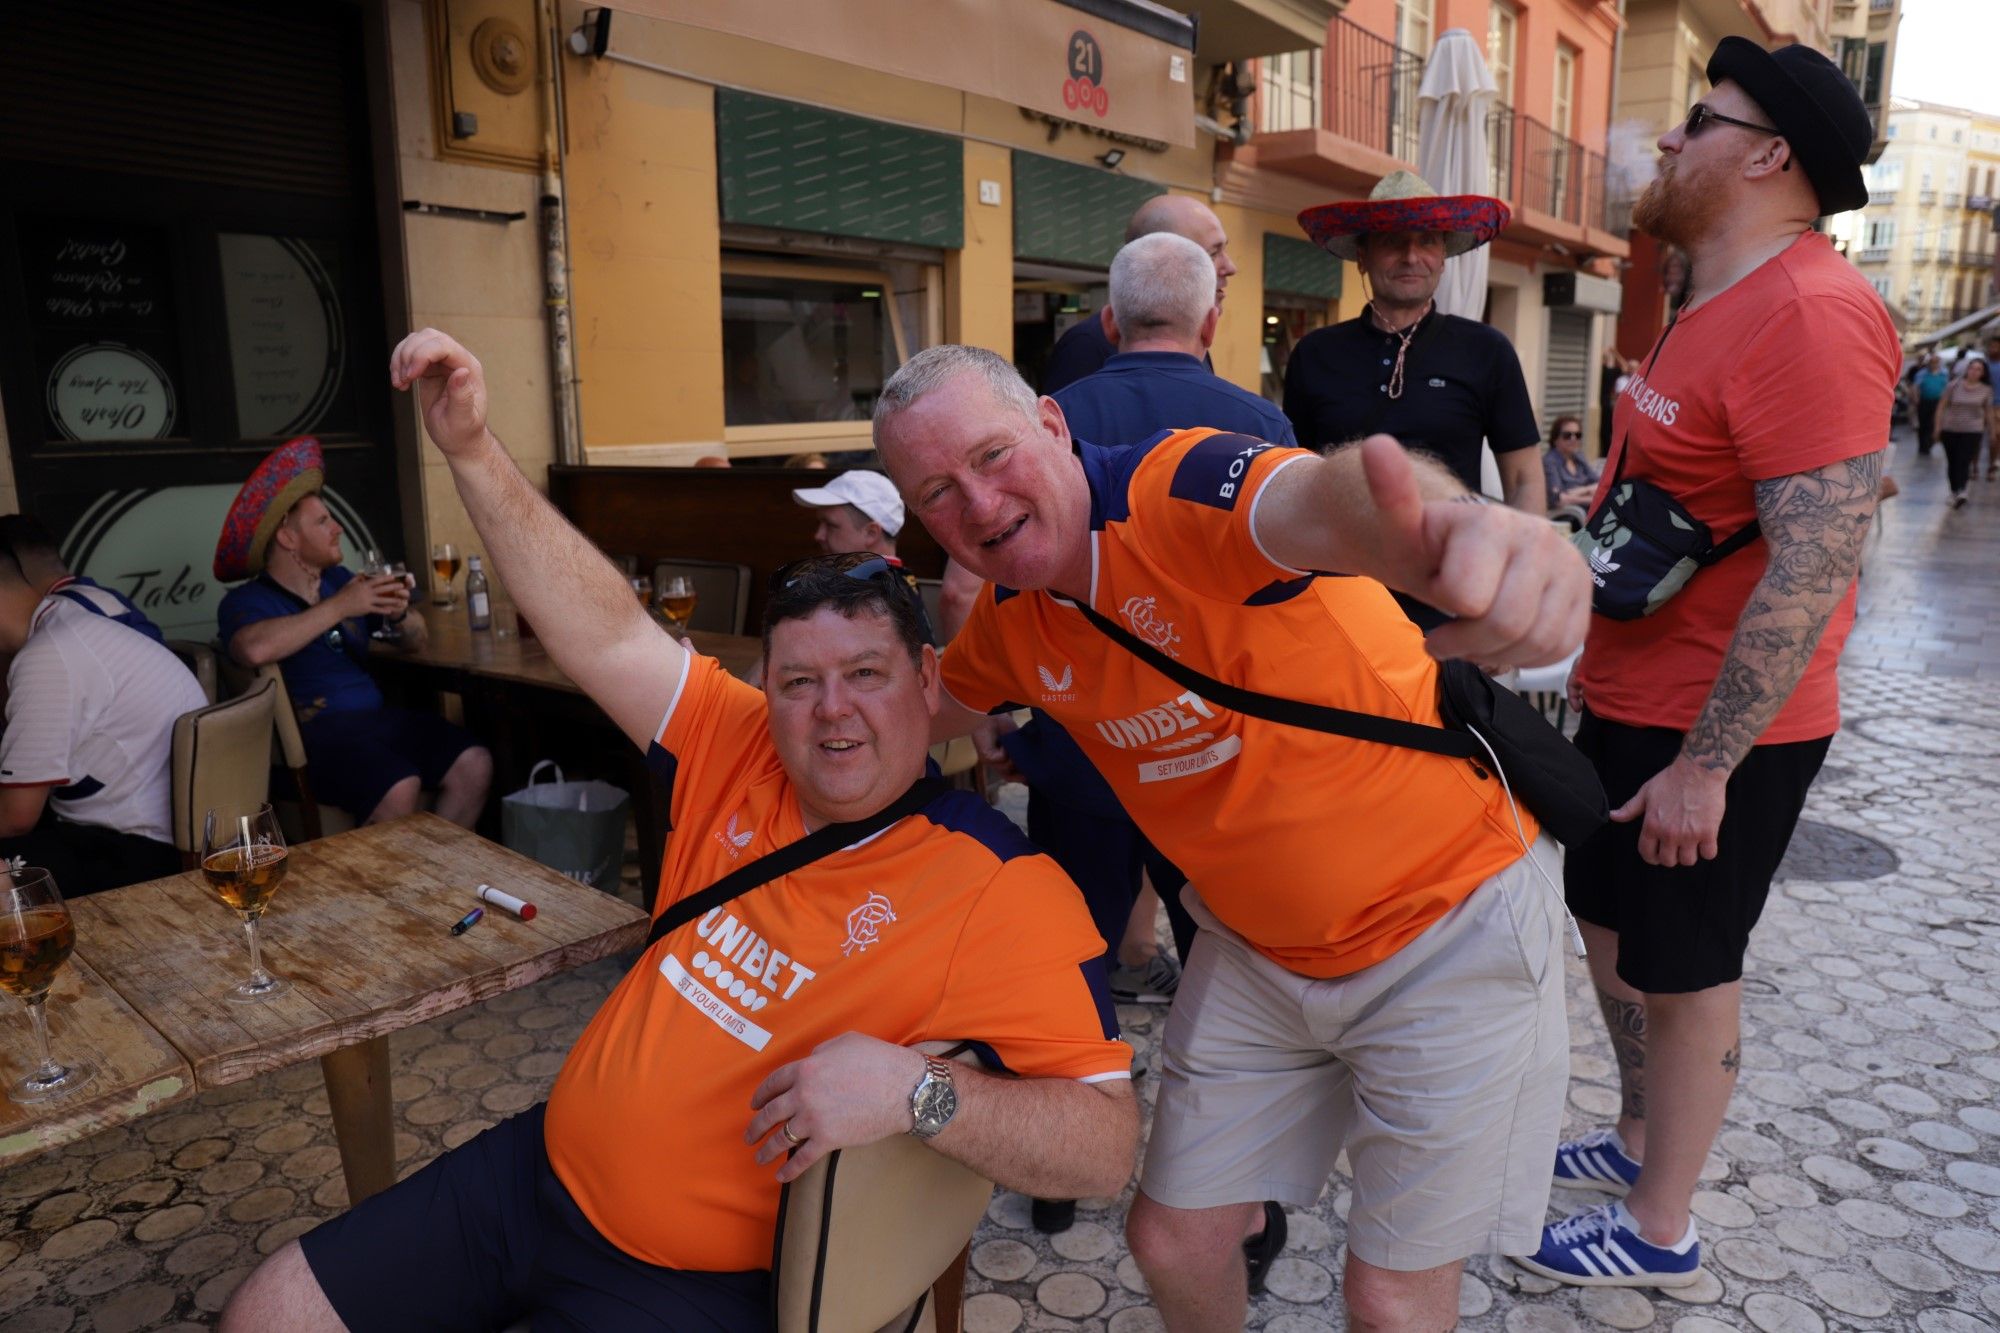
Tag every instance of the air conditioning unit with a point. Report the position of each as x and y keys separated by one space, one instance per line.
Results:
x=1582 y=291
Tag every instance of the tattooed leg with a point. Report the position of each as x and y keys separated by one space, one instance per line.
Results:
x=1625 y=1020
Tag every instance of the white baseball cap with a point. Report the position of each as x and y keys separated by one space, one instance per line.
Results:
x=870 y=492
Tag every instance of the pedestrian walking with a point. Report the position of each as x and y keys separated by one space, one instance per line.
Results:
x=1757 y=414
x=1930 y=385
x=1962 y=417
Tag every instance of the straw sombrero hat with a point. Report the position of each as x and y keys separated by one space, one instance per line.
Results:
x=292 y=472
x=1404 y=201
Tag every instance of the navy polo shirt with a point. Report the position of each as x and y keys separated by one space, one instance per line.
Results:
x=1462 y=383
x=325 y=675
x=1139 y=394
x=1082 y=350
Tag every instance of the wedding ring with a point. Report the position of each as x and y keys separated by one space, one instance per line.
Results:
x=790 y=1137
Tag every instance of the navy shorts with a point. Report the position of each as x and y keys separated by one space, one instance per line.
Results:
x=356 y=757
x=486 y=1235
x=1684 y=928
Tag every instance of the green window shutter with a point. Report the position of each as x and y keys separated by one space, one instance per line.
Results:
x=1067 y=214
x=1300 y=267
x=784 y=164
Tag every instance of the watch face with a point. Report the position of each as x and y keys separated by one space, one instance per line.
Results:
x=935 y=1103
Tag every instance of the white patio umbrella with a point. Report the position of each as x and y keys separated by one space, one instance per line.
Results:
x=1452 y=102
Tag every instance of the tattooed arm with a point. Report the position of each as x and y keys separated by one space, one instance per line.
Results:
x=1813 y=523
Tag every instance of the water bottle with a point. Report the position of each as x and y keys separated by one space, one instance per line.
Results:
x=478 y=605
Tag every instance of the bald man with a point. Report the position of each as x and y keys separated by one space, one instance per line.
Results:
x=1087 y=345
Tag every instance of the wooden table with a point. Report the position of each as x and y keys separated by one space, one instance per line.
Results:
x=362 y=929
x=138 y=1071
x=453 y=646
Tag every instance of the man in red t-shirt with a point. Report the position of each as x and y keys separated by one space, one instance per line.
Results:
x=1707 y=720
x=788 y=1022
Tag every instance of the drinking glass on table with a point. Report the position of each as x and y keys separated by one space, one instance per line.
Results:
x=642 y=588
x=243 y=858
x=677 y=599
x=36 y=935
x=444 y=564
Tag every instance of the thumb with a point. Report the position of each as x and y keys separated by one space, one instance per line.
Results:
x=1632 y=809
x=1392 y=485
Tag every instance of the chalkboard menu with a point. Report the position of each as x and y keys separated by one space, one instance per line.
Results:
x=100 y=305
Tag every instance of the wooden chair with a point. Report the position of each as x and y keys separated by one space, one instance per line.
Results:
x=876 y=1238
x=304 y=817
x=722 y=592
x=221 y=756
x=200 y=659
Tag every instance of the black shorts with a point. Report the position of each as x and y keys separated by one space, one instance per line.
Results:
x=84 y=858
x=355 y=757
x=486 y=1235
x=1684 y=928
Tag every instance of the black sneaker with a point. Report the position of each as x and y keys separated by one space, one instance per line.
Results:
x=1259 y=1250
x=1050 y=1216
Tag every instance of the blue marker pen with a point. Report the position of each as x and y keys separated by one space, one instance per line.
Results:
x=469 y=920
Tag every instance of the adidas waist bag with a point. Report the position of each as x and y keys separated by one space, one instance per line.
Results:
x=1643 y=546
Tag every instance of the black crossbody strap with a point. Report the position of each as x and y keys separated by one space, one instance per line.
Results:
x=1291 y=712
x=786 y=859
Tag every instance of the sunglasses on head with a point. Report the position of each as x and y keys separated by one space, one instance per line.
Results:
x=1700 y=115
x=873 y=569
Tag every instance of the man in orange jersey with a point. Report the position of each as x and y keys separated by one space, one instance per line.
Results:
x=1378 y=966
x=785 y=1024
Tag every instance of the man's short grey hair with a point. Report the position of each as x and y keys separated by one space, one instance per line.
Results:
x=1162 y=284
x=932 y=367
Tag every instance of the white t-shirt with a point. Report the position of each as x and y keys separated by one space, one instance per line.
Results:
x=91 y=707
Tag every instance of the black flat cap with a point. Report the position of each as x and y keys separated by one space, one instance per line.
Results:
x=1813 y=105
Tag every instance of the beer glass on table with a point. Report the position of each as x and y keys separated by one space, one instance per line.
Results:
x=677 y=599
x=243 y=858
x=444 y=564
x=642 y=588
x=36 y=936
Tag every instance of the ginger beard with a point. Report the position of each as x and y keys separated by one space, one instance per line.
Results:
x=1682 y=203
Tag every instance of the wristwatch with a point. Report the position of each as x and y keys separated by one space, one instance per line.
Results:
x=934 y=1100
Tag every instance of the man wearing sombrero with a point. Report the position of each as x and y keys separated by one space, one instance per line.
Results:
x=1436 y=382
x=299 y=607
x=1708 y=718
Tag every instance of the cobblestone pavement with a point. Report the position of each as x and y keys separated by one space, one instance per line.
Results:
x=1856 y=1184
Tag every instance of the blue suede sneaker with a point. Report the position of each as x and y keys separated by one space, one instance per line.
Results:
x=1603 y=1248
x=1597 y=1161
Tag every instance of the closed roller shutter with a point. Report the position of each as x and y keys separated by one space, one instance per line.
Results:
x=1566 y=368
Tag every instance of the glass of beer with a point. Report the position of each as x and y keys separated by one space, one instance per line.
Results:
x=243 y=858
x=36 y=935
x=677 y=602
x=444 y=564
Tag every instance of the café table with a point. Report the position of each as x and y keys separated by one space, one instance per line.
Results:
x=361 y=927
x=511 y=686
x=138 y=1070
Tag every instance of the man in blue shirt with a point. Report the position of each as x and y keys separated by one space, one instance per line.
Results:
x=304 y=610
x=1161 y=319
x=23 y=537
x=1086 y=345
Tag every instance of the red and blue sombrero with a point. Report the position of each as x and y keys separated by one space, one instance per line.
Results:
x=292 y=472
x=1404 y=201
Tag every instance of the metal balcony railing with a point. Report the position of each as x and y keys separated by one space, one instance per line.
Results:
x=1979 y=203
x=1875 y=254
x=1371 y=90
x=1952 y=200
x=1927 y=197
x=1887 y=196
x=1531 y=166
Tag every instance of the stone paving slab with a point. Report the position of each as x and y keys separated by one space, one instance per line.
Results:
x=1855 y=1185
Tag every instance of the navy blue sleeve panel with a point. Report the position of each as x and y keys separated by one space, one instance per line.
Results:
x=1081 y=351
x=664 y=767
x=1510 y=413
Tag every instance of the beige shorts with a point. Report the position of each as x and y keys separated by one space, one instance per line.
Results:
x=1441 y=1070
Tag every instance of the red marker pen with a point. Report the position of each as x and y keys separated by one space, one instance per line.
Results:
x=486 y=893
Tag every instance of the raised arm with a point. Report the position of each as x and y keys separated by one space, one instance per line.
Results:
x=581 y=605
x=1519 y=591
x=1813 y=524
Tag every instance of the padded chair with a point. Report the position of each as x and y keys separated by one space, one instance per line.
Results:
x=200 y=659
x=221 y=756
x=876 y=1238
x=303 y=817
x=722 y=592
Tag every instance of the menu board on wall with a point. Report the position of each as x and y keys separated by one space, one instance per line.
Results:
x=101 y=307
x=287 y=346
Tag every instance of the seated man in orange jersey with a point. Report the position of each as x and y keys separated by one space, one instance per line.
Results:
x=1377 y=966
x=753 y=1040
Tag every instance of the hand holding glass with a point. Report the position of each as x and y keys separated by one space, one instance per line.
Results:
x=244 y=858
x=36 y=936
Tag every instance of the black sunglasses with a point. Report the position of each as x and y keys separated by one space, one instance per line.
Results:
x=1569 y=435
x=1700 y=114
x=873 y=569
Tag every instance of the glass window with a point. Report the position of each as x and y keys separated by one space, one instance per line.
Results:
x=1414 y=24
x=1503 y=24
x=1565 y=90
x=802 y=349
x=1288 y=91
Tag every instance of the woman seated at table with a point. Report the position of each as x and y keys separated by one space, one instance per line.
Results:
x=1567 y=475
x=304 y=610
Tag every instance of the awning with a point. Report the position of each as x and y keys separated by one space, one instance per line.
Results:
x=1122 y=65
x=1975 y=320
